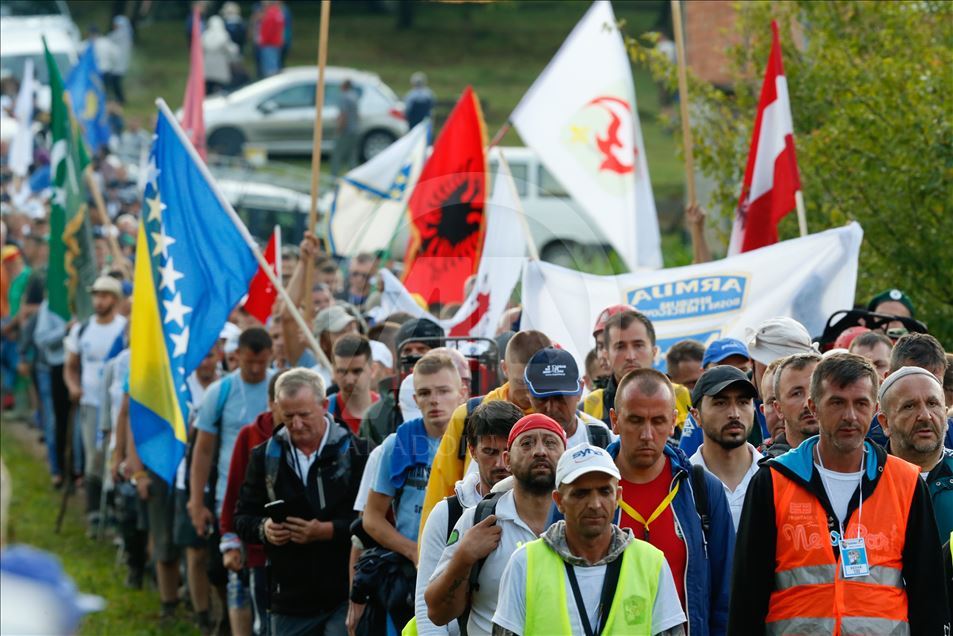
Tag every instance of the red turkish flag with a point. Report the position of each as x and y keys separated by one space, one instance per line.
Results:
x=771 y=176
x=261 y=293
x=446 y=208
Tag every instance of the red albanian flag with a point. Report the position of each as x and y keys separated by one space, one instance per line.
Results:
x=446 y=208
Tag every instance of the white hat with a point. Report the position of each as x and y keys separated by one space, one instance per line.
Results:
x=777 y=338
x=405 y=398
x=582 y=459
x=229 y=330
x=381 y=354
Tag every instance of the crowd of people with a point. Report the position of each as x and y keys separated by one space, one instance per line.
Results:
x=394 y=481
x=396 y=490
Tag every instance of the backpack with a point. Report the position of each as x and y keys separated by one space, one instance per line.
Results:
x=225 y=387
x=700 y=493
x=598 y=435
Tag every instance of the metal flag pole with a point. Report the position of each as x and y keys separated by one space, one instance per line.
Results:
x=316 y=145
x=683 y=103
x=249 y=240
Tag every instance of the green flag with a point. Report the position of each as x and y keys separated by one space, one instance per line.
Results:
x=72 y=267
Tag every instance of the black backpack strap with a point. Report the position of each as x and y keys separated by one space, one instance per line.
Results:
x=484 y=509
x=598 y=435
x=454 y=510
x=700 y=492
x=609 y=585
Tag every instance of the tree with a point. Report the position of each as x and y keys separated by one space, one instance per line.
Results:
x=871 y=86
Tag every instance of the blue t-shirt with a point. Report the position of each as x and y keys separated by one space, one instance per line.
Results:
x=244 y=403
x=411 y=501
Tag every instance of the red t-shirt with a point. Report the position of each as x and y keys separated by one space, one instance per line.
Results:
x=353 y=422
x=645 y=498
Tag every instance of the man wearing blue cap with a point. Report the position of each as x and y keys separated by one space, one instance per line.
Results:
x=555 y=387
x=728 y=351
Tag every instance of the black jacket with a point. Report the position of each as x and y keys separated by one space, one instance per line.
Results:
x=312 y=578
x=753 y=572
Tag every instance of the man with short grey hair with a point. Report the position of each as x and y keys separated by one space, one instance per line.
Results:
x=297 y=501
x=913 y=417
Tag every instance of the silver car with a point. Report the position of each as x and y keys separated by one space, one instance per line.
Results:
x=277 y=113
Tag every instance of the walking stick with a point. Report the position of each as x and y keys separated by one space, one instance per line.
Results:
x=68 y=457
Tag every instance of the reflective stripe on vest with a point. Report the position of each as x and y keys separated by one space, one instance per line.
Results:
x=547 y=601
x=811 y=596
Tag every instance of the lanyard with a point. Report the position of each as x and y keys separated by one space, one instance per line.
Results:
x=632 y=512
x=609 y=584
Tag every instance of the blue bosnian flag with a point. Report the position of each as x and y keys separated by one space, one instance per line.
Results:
x=193 y=265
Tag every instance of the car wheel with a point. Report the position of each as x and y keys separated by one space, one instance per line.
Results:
x=374 y=142
x=226 y=141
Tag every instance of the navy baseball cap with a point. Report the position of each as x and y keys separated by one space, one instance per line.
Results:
x=724 y=348
x=551 y=372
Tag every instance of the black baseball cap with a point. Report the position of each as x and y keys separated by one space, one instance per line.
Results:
x=420 y=328
x=552 y=372
x=717 y=379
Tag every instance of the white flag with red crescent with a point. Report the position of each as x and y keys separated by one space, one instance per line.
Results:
x=580 y=117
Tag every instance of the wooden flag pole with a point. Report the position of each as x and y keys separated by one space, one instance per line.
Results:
x=316 y=146
x=683 y=103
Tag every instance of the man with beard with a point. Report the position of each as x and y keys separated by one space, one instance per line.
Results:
x=487 y=431
x=534 y=446
x=805 y=512
x=913 y=417
x=792 y=381
x=619 y=585
x=662 y=500
x=88 y=346
x=452 y=459
x=723 y=401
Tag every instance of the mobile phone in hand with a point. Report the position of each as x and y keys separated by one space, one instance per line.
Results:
x=277 y=510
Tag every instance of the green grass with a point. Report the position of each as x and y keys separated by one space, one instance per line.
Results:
x=91 y=563
x=499 y=48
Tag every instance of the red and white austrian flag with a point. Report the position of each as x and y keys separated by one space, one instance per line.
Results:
x=771 y=177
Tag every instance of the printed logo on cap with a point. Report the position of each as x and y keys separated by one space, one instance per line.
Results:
x=555 y=370
x=582 y=456
x=896 y=294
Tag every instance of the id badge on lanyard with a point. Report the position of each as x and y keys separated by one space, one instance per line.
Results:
x=853 y=558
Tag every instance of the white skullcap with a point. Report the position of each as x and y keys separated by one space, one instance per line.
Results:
x=898 y=375
x=777 y=338
x=405 y=398
x=381 y=354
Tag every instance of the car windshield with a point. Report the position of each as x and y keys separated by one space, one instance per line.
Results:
x=14 y=65
x=21 y=8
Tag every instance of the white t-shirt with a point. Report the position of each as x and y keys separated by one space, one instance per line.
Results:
x=511 y=609
x=840 y=488
x=368 y=478
x=433 y=539
x=514 y=533
x=736 y=498
x=92 y=349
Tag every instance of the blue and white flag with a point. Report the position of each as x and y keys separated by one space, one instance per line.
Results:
x=193 y=265
x=88 y=96
x=370 y=200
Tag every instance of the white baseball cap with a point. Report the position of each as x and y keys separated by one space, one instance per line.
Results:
x=582 y=459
